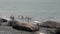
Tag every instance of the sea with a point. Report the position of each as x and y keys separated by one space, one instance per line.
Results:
x=39 y=9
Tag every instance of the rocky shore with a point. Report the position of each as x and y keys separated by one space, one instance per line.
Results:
x=47 y=27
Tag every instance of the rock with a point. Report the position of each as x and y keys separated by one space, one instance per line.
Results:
x=10 y=30
x=51 y=24
x=46 y=31
x=24 y=26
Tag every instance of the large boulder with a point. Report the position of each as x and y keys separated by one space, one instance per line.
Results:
x=24 y=26
x=51 y=24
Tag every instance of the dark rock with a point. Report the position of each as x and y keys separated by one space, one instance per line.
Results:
x=24 y=26
x=3 y=20
x=51 y=24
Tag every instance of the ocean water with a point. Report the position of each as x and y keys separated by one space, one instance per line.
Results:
x=35 y=8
